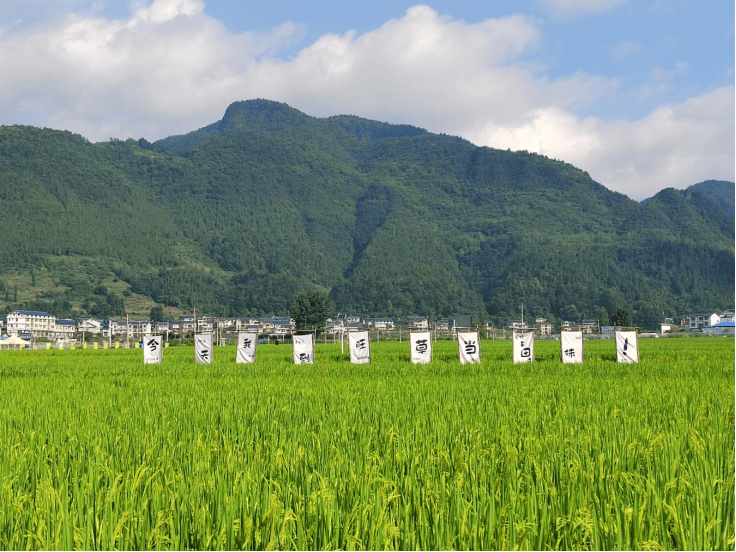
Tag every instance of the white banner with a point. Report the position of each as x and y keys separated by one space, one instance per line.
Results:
x=421 y=347
x=360 y=347
x=469 y=346
x=571 y=347
x=303 y=349
x=627 y=347
x=153 y=351
x=203 y=348
x=523 y=346
x=246 y=350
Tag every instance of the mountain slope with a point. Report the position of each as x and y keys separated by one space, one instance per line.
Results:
x=237 y=217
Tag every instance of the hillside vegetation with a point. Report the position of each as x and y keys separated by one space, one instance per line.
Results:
x=391 y=220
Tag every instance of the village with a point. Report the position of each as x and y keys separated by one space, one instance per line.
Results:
x=43 y=327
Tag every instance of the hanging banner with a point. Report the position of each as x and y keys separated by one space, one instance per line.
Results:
x=303 y=349
x=523 y=346
x=360 y=347
x=203 y=348
x=571 y=347
x=469 y=347
x=627 y=347
x=153 y=352
x=246 y=351
x=421 y=347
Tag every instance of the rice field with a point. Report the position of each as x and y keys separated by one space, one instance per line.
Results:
x=99 y=451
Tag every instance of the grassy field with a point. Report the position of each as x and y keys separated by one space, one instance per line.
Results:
x=98 y=451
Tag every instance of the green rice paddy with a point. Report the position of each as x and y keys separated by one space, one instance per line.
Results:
x=99 y=451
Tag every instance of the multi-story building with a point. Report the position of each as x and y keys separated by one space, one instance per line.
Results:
x=695 y=322
x=543 y=326
x=31 y=324
x=380 y=323
x=65 y=330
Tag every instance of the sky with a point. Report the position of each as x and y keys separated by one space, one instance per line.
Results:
x=638 y=93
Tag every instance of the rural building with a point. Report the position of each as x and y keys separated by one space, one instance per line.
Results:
x=543 y=326
x=31 y=324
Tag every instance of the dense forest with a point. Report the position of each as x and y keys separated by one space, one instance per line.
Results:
x=390 y=220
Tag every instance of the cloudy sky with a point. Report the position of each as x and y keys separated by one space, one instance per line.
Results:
x=639 y=93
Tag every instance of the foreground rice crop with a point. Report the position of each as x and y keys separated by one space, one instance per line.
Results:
x=98 y=451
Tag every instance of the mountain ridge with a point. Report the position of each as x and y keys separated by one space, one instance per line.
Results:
x=392 y=220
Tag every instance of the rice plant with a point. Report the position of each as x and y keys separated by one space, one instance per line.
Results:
x=99 y=451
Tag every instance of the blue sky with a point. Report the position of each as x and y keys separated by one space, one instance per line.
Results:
x=638 y=93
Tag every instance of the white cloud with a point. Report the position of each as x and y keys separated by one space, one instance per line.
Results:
x=168 y=68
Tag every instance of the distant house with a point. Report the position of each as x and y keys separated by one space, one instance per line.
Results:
x=722 y=328
x=728 y=315
x=696 y=322
x=418 y=323
x=565 y=325
x=589 y=326
x=31 y=324
x=442 y=326
x=516 y=325
x=90 y=326
x=130 y=328
x=380 y=323
x=543 y=326
x=65 y=330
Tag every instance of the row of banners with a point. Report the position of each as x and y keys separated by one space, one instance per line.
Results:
x=572 y=350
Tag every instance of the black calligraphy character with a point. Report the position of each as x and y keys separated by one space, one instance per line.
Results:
x=421 y=346
x=570 y=352
x=526 y=353
x=153 y=345
x=360 y=344
x=303 y=358
x=205 y=354
x=247 y=343
x=470 y=348
x=626 y=346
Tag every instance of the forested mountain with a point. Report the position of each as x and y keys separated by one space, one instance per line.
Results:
x=391 y=220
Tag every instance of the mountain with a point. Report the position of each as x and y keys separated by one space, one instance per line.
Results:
x=237 y=217
x=719 y=191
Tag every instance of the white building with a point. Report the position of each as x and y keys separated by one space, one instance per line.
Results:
x=31 y=324
x=695 y=322
x=65 y=330
x=543 y=326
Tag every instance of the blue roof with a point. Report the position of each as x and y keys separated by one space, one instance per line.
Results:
x=726 y=324
x=34 y=313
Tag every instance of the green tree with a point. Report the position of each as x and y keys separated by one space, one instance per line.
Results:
x=157 y=314
x=311 y=310
x=622 y=317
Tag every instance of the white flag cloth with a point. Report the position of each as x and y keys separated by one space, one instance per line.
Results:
x=571 y=347
x=153 y=350
x=627 y=347
x=203 y=348
x=421 y=347
x=360 y=347
x=303 y=349
x=469 y=346
x=246 y=350
x=523 y=346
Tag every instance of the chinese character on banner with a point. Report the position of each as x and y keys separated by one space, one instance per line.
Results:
x=421 y=347
x=303 y=346
x=152 y=350
x=468 y=347
x=571 y=347
x=360 y=347
x=523 y=346
x=246 y=351
x=627 y=347
x=203 y=348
